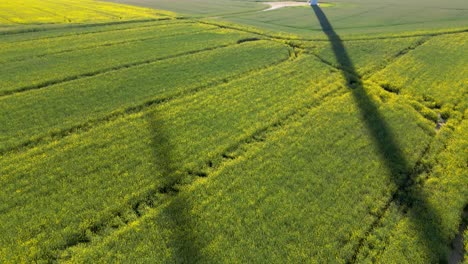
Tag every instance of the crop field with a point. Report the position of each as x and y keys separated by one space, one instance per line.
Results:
x=357 y=17
x=207 y=134
x=70 y=11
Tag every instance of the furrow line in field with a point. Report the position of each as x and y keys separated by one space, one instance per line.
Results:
x=49 y=12
x=280 y=38
x=396 y=56
x=107 y=70
x=82 y=6
x=123 y=42
x=120 y=113
x=404 y=195
x=403 y=191
x=212 y=166
x=92 y=25
x=460 y=31
x=457 y=251
x=175 y=22
x=390 y=61
x=8 y=20
x=353 y=76
x=424 y=103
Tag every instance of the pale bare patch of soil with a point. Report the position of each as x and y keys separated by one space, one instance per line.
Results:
x=276 y=5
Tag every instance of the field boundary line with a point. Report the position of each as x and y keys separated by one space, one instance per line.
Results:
x=174 y=22
x=213 y=166
x=392 y=59
x=367 y=75
x=49 y=12
x=400 y=54
x=36 y=27
x=109 y=44
x=394 y=197
x=397 y=195
x=122 y=112
x=50 y=83
x=258 y=31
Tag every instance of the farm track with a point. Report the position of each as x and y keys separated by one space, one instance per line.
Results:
x=212 y=167
x=227 y=158
x=389 y=62
x=409 y=190
x=175 y=22
x=91 y=25
x=409 y=184
x=367 y=75
x=109 y=44
x=405 y=192
x=280 y=38
x=394 y=198
x=396 y=56
x=88 y=125
x=50 y=83
x=415 y=171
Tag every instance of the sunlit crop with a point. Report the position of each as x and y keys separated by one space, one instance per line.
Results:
x=126 y=138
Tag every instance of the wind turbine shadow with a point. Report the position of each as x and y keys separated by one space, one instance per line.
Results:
x=176 y=216
x=408 y=197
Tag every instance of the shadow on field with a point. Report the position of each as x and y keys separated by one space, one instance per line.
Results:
x=407 y=196
x=176 y=215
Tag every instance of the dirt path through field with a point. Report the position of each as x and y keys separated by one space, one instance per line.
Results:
x=276 y=5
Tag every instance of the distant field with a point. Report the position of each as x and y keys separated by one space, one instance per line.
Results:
x=140 y=135
x=201 y=8
x=70 y=11
x=349 y=17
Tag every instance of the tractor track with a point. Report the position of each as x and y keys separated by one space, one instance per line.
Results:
x=213 y=166
x=120 y=113
x=127 y=22
x=105 y=44
x=90 y=74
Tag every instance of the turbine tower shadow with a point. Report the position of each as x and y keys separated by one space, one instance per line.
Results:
x=176 y=215
x=407 y=197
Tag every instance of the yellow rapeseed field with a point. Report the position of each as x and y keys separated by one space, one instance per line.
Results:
x=71 y=11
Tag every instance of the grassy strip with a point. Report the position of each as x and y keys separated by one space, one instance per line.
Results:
x=266 y=195
x=115 y=165
x=35 y=114
x=42 y=47
x=32 y=74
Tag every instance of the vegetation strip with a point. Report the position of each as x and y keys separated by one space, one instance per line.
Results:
x=395 y=198
x=341 y=154
x=107 y=70
x=100 y=28
x=121 y=113
x=44 y=29
x=224 y=158
x=123 y=133
x=415 y=103
x=405 y=194
x=97 y=45
x=291 y=38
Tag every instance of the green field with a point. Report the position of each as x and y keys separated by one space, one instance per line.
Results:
x=207 y=132
x=358 y=17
